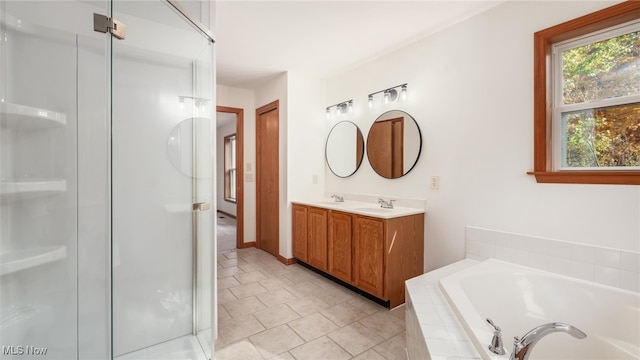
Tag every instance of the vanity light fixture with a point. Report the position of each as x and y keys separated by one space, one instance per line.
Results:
x=390 y=94
x=341 y=108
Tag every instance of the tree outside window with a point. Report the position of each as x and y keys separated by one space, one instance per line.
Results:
x=599 y=108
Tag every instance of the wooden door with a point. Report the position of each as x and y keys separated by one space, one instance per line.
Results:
x=369 y=255
x=267 y=179
x=397 y=147
x=340 y=246
x=359 y=148
x=317 y=240
x=299 y=231
x=385 y=147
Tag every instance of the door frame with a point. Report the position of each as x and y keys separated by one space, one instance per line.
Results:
x=274 y=105
x=239 y=172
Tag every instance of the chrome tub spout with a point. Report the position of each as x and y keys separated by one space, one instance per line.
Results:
x=522 y=346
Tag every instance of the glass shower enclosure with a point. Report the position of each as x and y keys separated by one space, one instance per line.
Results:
x=106 y=187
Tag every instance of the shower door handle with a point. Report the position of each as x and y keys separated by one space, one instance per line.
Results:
x=201 y=206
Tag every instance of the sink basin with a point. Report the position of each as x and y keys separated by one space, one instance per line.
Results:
x=329 y=203
x=372 y=209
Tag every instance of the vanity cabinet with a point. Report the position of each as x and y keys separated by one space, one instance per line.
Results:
x=375 y=255
x=299 y=215
x=317 y=238
x=369 y=255
x=340 y=244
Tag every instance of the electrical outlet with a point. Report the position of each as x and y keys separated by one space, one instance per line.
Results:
x=314 y=179
x=435 y=182
x=248 y=177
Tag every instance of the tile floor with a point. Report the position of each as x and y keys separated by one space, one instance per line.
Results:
x=225 y=232
x=268 y=310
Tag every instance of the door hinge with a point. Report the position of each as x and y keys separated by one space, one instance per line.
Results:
x=104 y=24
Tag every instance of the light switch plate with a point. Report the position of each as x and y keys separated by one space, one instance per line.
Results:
x=435 y=183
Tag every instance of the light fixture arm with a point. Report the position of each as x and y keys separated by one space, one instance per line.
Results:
x=387 y=89
x=341 y=107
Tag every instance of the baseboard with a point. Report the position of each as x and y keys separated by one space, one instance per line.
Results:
x=286 y=261
x=247 y=245
x=227 y=214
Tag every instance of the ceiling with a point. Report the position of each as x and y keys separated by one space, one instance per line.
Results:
x=256 y=40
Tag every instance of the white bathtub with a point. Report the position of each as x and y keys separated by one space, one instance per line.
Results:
x=519 y=298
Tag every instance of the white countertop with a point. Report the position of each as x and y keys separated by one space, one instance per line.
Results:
x=362 y=208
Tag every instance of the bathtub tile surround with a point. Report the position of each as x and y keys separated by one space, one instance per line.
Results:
x=432 y=327
x=612 y=267
x=298 y=314
x=433 y=331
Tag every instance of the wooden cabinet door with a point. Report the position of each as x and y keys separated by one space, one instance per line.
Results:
x=369 y=255
x=317 y=241
x=299 y=232
x=340 y=245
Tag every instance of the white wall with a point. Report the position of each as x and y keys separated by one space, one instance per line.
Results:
x=306 y=137
x=221 y=132
x=244 y=99
x=302 y=127
x=470 y=90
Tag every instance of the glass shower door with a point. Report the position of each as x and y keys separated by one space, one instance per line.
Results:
x=162 y=106
x=54 y=274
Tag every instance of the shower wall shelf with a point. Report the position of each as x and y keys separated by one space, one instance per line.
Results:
x=23 y=116
x=13 y=261
x=10 y=190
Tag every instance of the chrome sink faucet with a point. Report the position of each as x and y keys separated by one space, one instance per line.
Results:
x=338 y=198
x=522 y=346
x=386 y=204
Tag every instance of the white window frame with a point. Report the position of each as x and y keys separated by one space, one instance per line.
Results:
x=557 y=97
x=230 y=158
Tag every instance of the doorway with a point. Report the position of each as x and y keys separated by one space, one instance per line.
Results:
x=387 y=156
x=267 y=178
x=235 y=174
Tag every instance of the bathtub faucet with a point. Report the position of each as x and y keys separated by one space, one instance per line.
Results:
x=496 y=342
x=522 y=346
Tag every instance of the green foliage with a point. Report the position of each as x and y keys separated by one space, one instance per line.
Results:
x=610 y=136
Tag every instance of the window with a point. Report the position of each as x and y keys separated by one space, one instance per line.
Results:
x=587 y=99
x=230 y=168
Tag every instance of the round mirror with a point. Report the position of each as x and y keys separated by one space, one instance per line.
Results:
x=344 y=149
x=189 y=137
x=393 y=144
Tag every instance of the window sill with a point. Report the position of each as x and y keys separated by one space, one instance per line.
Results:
x=588 y=177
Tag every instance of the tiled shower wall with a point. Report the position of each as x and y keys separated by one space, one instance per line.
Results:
x=612 y=267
